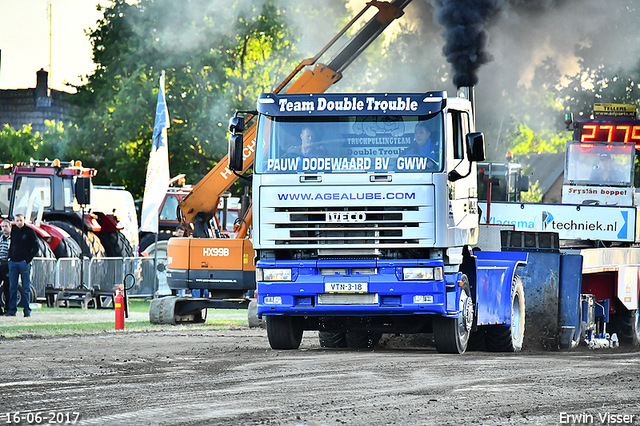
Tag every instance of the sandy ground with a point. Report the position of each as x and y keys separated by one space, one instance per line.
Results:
x=206 y=376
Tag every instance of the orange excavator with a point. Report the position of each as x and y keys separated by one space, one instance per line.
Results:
x=218 y=267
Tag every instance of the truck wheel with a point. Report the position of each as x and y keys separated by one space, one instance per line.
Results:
x=509 y=339
x=68 y=247
x=150 y=238
x=33 y=296
x=626 y=324
x=252 y=315
x=116 y=244
x=362 y=339
x=329 y=339
x=284 y=332
x=88 y=241
x=452 y=334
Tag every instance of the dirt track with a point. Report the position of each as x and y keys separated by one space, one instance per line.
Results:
x=232 y=377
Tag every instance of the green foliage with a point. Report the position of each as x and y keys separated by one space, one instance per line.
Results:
x=533 y=195
x=17 y=145
x=524 y=140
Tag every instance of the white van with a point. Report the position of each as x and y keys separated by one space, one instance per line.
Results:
x=117 y=200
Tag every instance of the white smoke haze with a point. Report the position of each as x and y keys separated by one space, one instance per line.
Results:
x=519 y=43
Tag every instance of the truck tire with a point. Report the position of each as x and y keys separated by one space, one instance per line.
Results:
x=116 y=244
x=284 y=332
x=88 y=241
x=509 y=338
x=33 y=296
x=68 y=247
x=626 y=324
x=362 y=339
x=329 y=339
x=252 y=315
x=452 y=334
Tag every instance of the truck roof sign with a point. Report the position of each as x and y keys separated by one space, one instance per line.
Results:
x=351 y=104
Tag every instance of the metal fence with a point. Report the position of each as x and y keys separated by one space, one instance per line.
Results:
x=104 y=273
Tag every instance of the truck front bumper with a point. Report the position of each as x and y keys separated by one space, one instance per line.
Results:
x=314 y=291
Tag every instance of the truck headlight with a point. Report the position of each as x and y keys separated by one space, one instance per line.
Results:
x=422 y=274
x=281 y=274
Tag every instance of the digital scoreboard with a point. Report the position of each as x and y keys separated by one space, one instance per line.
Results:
x=616 y=131
x=612 y=123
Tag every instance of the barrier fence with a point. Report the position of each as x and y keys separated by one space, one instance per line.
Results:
x=104 y=273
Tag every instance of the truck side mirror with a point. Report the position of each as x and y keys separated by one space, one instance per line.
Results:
x=236 y=143
x=475 y=142
x=524 y=183
x=236 y=125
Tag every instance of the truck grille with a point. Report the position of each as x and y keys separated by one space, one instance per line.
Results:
x=352 y=226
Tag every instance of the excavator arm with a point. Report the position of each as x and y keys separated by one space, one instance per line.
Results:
x=200 y=206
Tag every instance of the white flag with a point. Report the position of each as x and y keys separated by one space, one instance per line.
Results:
x=157 y=181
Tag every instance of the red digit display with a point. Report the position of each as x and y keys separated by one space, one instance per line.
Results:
x=595 y=132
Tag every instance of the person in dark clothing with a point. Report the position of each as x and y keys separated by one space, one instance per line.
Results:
x=309 y=146
x=23 y=248
x=5 y=242
x=423 y=145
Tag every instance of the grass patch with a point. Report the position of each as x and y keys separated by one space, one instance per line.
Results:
x=46 y=321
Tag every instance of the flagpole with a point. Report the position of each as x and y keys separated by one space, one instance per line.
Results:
x=157 y=178
x=156 y=282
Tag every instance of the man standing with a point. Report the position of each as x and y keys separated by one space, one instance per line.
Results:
x=23 y=248
x=5 y=241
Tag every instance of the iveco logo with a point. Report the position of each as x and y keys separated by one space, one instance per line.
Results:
x=346 y=217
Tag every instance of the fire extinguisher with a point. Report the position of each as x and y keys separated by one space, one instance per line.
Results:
x=119 y=304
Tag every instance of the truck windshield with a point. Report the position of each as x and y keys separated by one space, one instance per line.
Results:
x=599 y=163
x=375 y=144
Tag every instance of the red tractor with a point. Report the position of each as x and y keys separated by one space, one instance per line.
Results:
x=50 y=194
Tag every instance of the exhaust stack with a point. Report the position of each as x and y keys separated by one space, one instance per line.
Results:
x=468 y=92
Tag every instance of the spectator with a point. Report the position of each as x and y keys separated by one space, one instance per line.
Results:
x=22 y=250
x=5 y=242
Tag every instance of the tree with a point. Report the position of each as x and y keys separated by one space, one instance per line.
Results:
x=17 y=145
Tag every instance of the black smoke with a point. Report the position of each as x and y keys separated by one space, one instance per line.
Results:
x=466 y=34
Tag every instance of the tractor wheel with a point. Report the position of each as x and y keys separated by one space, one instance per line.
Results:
x=116 y=244
x=329 y=339
x=44 y=250
x=284 y=332
x=88 y=241
x=452 y=334
x=362 y=339
x=509 y=338
x=68 y=247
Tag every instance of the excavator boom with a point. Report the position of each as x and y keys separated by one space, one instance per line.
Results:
x=200 y=206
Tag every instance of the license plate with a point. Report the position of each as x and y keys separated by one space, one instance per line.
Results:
x=346 y=287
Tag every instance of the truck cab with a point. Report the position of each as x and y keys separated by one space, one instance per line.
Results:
x=365 y=207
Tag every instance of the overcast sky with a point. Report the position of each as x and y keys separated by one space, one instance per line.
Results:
x=24 y=41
